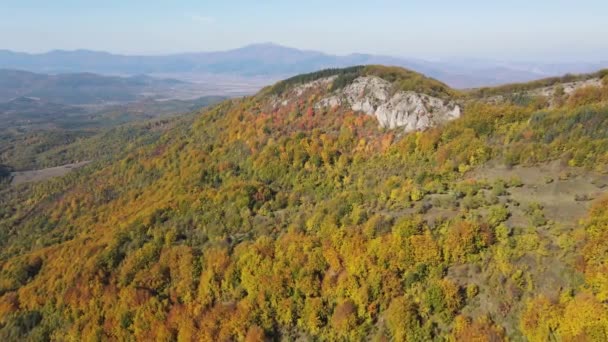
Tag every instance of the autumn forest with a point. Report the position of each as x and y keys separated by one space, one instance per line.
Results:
x=269 y=217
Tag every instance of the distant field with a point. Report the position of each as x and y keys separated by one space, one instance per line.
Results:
x=43 y=174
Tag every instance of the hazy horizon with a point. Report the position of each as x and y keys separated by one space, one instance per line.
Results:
x=548 y=31
x=446 y=58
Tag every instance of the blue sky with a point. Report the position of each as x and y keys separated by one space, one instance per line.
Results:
x=549 y=30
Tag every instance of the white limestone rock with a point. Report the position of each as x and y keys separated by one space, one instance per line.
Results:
x=394 y=109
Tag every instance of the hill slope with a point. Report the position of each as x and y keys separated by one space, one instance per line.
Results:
x=288 y=220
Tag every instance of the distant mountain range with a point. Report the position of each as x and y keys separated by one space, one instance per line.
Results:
x=271 y=62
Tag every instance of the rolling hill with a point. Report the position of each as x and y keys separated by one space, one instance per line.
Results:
x=298 y=214
x=80 y=88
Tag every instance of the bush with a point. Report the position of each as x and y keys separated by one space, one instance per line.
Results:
x=435 y=299
x=535 y=214
x=416 y=194
x=471 y=202
x=497 y=215
x=515 y=182
x=502 y=232
x=499 y=188
x=510 y=159
x=472 y=291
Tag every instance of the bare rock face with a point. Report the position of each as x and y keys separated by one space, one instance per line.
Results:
x=394 y=109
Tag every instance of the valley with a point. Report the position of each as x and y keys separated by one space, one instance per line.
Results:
x=38 y=132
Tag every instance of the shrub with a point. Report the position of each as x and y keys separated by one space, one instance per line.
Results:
x=499 y=188
x=416 y=194
x=535 y=214
x=502 y=232
x=472 y=291
x=515 y=182
x=497 y=215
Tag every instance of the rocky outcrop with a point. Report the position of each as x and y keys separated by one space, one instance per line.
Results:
x=393 y=109
x=568 y=87
x=549 y=92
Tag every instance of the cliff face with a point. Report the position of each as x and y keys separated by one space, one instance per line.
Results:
x=393 y=109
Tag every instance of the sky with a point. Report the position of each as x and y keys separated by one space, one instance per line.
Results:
x=534 y=30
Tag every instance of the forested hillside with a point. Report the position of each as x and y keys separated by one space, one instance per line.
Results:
x=271 y=218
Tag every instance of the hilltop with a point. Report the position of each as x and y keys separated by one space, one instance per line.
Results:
x=298 y=213
x=396 y=97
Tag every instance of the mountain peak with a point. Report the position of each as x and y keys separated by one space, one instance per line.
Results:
x=266 y=45
x=269 y=48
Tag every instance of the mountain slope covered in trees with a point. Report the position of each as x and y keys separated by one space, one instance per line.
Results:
x=270 y=218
